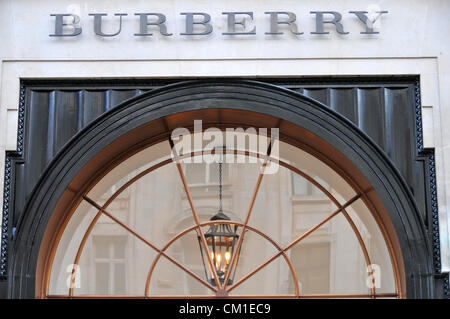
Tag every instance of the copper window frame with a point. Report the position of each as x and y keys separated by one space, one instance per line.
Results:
x=357 y=182
x=223 y=291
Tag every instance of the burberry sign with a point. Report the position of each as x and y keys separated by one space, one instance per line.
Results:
x=235 y=23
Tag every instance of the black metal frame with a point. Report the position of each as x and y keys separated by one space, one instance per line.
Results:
x=420 y=243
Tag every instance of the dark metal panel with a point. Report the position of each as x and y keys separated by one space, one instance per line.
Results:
x=50 y=126
x=399 y=119
x=66 y=118
x=319 y=94
x=371 y=117
x=19 y=197
x=36 y=137
x=296 y=88
x=94 y=104
x=115 y=97
x=344 y=101
x=420 y=187
x=140 y=91
x=363 y=106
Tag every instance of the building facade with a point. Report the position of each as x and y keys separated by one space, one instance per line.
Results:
x=155 y=149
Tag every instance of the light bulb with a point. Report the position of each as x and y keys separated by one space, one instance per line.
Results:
x=227 y=256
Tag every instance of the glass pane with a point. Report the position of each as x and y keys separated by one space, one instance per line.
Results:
x=214 y=172
x=275 y=278
x=119 y=278
x=186 y=251
x=312 y=262
x=316 y=190
x=300 y=185
x=128 y=169
x=169 y=279
x=272 y=279
x=195 y=173
x=156 y=206
x=317 y=169
x=102 y=282
x=102 y=247
x=67 y=248
x=113 y=262
x=376 y=246
x=282 y=215
x=330 y=260
x=119 y=250
x=238 y=182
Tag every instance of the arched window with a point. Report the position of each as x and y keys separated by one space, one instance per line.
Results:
x=304 y=230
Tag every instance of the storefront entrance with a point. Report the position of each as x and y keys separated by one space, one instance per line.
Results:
x=318 y=213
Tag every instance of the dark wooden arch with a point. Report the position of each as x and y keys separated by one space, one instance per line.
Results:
x=148 y=118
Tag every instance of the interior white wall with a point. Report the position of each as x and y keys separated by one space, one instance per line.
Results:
x=412 y=40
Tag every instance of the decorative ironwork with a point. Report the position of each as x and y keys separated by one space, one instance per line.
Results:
x=21 y=121
x=434 y=213
x=10 y=159
x=447 y=286
x=434 y=218
x=418 y=116
x=5 y=219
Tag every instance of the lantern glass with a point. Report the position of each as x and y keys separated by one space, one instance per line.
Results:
x=221 y=239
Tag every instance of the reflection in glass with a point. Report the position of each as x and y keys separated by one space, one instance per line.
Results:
x=113 y=261
x=376 y=246
x=156 y=206
x=68 y=246
x=330 y=260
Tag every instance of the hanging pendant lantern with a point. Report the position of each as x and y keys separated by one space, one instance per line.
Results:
x=221 y=239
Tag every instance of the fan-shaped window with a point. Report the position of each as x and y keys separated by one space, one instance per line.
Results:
x=144 y=230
